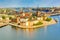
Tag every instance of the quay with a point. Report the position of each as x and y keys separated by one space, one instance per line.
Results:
x=3 y=24
x=28 y=27
x=38 y=26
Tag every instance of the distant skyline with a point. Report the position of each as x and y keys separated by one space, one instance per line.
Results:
x=29 y=3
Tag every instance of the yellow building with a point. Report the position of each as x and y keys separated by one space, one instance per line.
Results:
x=29 y=24
x=45 y=16
x=38 y=13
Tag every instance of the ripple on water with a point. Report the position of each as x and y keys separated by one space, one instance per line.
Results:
x=51 y=32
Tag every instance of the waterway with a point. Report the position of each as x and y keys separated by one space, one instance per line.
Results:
x=51 y=32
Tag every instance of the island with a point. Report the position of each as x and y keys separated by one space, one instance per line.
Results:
x=26 y=19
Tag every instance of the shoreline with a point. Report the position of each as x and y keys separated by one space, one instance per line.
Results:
x=45 y=23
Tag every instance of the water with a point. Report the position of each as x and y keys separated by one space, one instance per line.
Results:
x=51 y=32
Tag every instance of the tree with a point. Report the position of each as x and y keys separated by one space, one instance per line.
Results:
x=3 y=17
x=10 y=17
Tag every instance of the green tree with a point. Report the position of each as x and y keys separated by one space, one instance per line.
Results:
x=48 y=19
x=3 y=17
x=10 y=17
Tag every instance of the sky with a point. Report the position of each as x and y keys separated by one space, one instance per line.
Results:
x=29 y=3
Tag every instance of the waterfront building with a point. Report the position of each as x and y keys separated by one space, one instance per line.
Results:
x=5 y=11
x=21 y=12
x=0 y=19
x=14 y=20
x=38 y=13
x=18 y=19
x=30 y=14
x=7 y=19
x=44 y=16
x=38 y=18
x=57 y=10
x=22 y=20
x=29 y=24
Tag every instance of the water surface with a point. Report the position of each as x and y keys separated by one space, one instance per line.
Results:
x=51 y=32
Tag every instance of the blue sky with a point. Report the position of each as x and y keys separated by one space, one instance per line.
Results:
x=29 y=3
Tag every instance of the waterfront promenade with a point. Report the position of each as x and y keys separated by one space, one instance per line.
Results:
x=45 y=23
x=3 y=24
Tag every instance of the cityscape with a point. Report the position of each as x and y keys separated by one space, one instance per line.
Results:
x=29 y=19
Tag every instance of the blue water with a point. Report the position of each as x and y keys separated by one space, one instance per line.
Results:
x=51 y=32
x=46 y=10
